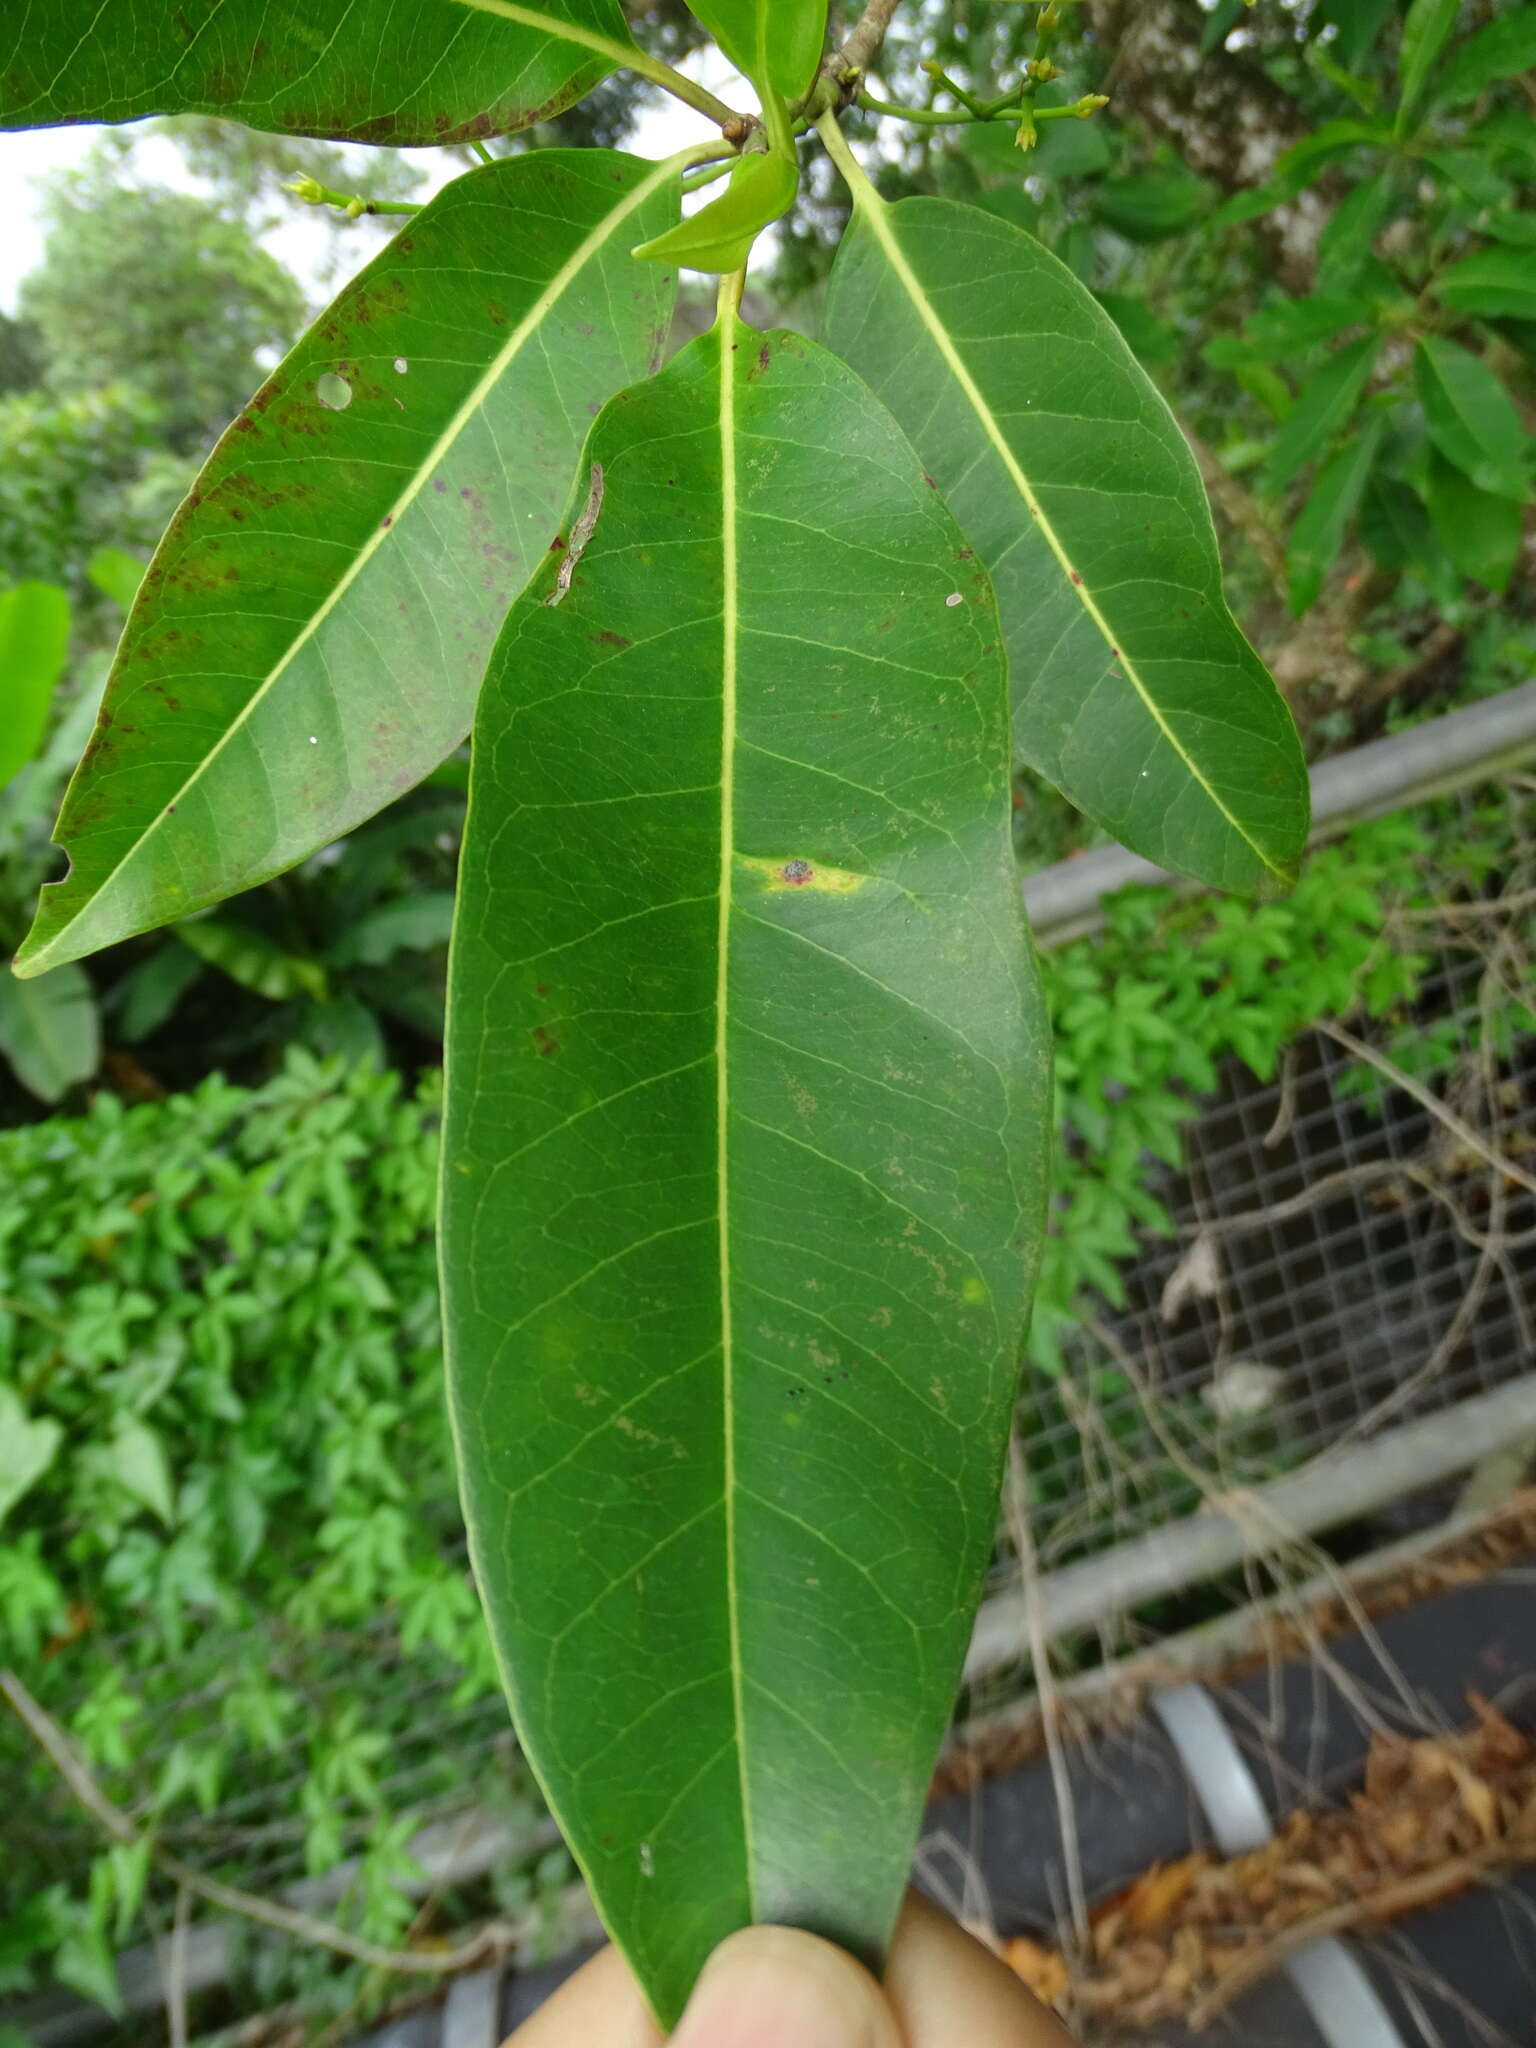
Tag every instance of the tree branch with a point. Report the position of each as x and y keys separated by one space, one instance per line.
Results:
x=863 y=46
x=1458 y=1127
x=841 y=70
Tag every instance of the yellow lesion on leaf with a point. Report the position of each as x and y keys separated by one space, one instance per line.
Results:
x=799 y=873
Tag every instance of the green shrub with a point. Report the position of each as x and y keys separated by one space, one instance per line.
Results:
x=228 y=1474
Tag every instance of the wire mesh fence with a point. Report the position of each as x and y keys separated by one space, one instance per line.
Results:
x=1343 y=1257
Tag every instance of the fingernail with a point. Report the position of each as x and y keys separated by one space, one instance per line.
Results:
x=770 y=1987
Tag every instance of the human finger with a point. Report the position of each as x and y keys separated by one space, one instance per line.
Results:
x=948 y=1991
x=601 y=2006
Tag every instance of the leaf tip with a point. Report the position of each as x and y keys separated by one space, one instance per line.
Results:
x=26 y=965
x=1277 y=877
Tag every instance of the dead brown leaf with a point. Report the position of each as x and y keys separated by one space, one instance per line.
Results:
x=1164 y=1888
x=1433 y=1815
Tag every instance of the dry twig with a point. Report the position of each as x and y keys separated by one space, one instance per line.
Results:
x=1021 y=1531
x=1456 y=1125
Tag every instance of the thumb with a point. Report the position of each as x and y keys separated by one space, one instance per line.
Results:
x=773 y=1987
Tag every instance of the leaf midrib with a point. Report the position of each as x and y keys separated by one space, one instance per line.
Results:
x=34 y=963
x=874 y=210
x=728 y=662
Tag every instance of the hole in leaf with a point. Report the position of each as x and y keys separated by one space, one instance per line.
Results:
x=333 y=392
x=401 y=366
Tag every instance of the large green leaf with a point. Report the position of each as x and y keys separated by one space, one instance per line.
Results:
x=745 y=1148
x=310 y=636
x=34 y=639
x=1133 y=688
x=397 y=71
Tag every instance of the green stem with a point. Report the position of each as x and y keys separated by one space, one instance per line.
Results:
x=728 y=297
x=941 y=78
x=1005 y=109
x=710 y=172
x=313 y=193
x=627 y=55
x=864 y=193
x=1076 y=110
x=926 y=115
x=482 y=152
x=776 y=121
